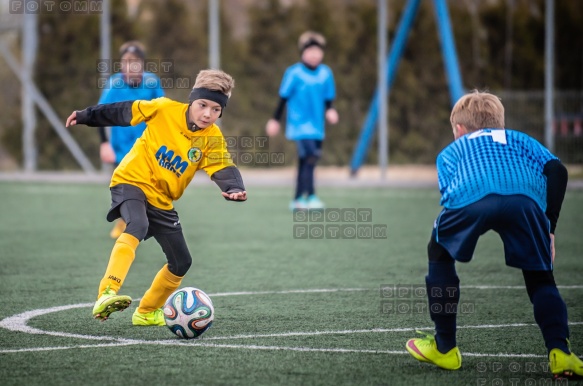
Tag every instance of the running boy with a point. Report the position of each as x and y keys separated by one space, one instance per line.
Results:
x=502 y=180
x=308 y=89
x=179 y=140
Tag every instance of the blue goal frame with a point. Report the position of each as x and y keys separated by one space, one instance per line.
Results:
x=450 y=58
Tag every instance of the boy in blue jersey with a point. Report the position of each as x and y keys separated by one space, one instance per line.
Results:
x=132 y=83
x=501 y=180
x=308 y=89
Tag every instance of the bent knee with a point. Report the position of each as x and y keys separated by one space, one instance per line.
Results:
x=181 y=267
x=138 y=229
x=312 y=159
x=436 y=252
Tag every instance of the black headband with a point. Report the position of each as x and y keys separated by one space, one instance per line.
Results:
x=135 y=50
x=205 y=93
x=312 y=42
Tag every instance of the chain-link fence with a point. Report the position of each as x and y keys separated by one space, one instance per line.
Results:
x=525 y=112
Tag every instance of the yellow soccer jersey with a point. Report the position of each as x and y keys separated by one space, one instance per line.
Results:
x=165 y=158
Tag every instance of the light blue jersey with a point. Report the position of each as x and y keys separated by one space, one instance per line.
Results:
x=306 y=92
x=492 y=161
x=116 y=90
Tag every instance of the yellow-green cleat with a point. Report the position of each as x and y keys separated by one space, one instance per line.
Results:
x=110 y=302
x=154 y=318
x=425 y=350
x=565 y=365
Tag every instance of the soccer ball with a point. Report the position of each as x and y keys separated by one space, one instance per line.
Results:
x=189 y=312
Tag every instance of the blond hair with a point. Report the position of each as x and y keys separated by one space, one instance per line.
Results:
x=215 y=80
x=311 y=38
x=478 y=110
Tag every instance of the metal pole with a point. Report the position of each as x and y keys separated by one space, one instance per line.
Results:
x=105 y=37
x=46 y=109
x=105 y=34
x=509 y=47
x=29 y=47
x=549 y=74
x=383 y=88
x=214 y=35
x=395 y=53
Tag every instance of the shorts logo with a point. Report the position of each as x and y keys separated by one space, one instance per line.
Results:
x=194 y=154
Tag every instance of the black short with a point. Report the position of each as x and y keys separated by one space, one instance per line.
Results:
x=160 y=221
x=121 y=193
x=309 y=148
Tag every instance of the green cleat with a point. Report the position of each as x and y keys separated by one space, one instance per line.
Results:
x=110 y=302
x=565 y=365
x=154 y=318
x=425 y=350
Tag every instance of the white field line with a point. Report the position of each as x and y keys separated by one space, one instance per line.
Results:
x=372 y=330
x=299 y=291
x=128 y=342
x=518 y=287
x=19 y=323
x=479 y=287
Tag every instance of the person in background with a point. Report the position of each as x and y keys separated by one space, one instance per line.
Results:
x=308 y=90
x=131 y=83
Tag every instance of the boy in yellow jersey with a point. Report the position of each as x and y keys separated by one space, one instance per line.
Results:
x=180 y=138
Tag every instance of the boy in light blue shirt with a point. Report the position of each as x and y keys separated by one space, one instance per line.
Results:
x=132 y=83
x=309 y=90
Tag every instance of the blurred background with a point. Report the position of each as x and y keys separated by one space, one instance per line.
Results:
x=500 y=47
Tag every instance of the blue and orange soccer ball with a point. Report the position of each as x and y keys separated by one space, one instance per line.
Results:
x=189 y=312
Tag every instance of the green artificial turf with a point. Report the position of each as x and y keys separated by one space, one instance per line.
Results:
x=289 y=311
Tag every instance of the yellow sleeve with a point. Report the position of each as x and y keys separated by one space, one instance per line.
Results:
x=143 y=111
x=217 y=155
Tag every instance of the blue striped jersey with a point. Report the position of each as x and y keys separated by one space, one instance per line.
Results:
x=492 y=161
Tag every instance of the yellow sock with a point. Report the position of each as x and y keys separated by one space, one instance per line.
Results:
x=120 y=261
x=163 y=285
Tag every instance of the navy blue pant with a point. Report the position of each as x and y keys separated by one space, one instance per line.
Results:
x=309 y=152
x=524 y=229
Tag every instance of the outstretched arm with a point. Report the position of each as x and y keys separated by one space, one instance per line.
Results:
x=230 y=182
x=109 y=114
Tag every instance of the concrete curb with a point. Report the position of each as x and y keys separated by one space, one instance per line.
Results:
x=411 y=176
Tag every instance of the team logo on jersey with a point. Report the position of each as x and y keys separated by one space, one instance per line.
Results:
x=194 y=154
